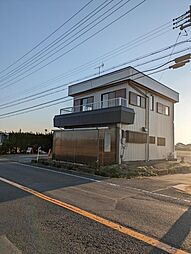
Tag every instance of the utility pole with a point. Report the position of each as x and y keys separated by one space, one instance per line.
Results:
x=183 y=21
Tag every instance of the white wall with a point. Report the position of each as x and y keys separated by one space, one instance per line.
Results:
x=159 y=126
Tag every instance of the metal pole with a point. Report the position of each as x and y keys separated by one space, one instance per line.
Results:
x=38 y=153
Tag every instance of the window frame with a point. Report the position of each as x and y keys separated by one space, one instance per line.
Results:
x=151 y=102
x=110 y=97
x=152 y=140
x=161 y=141
x=163 y=109
x=135 y=137
x=141 y=100
x=87 y=104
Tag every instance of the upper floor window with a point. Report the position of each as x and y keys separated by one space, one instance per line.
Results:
x=83 y=104
x=162 y=109
x=137 y=100
x=109 y=99
x=87 y=103
x=151 y=102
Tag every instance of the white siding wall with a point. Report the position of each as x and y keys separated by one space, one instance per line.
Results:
x=159 y=126
x=162 y=126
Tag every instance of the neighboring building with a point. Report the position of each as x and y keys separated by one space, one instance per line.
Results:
x=3 y=137
x=118 y=117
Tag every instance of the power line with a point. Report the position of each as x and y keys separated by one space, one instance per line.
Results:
x=114 y=52
x=47 y=106
x=38 y=105
x=30 y=98
x=42 y=105
x=171 y=52
x=74 y=47
x=37 y=55
x=152 y=53
x=165 y=56
x=46 y=38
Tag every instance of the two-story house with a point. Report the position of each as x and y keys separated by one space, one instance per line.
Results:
x=118 y=117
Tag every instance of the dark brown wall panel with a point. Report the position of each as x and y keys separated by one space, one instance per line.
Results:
x=84 y=146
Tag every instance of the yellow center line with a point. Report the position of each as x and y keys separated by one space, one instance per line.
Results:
x=123 y=229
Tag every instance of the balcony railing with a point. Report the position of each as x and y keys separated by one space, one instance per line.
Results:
x=96 y=105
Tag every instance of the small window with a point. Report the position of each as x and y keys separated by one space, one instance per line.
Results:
x=151 y=102
x=162 y=109
x=159 y=108
x=161 y=141
x=132 y=98
x=166 y=111
x=143 y=102
x=152 y=140
x=137 y=100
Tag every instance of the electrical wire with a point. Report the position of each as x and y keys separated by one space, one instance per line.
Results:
x=30 y=98
x=105 y=57
x=37 y=55
x=108 y=55
x=42 y=105
x=74 y=47
x=91 y=24
x=47 y=37
x=162 y=74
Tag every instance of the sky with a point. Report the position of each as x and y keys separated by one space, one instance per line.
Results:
x=23 y=24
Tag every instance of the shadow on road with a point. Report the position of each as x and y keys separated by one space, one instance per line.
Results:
x=178 y=232
x=36 y=179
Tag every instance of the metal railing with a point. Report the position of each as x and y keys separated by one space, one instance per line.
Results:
x=96 y=105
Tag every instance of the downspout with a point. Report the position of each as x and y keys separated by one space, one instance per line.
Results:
x=97 y=162
x=147 y=127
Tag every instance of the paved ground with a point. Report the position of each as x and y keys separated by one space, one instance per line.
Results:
x=157 y=207
x=25 y=158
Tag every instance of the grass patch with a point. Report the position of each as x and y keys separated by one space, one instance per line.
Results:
x=125 y=171
x=121 y=171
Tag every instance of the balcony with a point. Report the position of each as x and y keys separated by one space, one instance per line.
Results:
x=97 y=114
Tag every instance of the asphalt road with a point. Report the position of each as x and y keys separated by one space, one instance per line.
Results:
x=157 y=207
